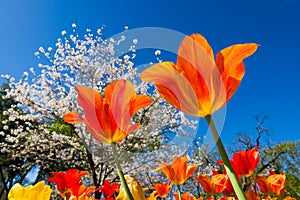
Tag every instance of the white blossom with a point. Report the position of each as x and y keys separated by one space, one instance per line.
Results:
x=135 y=41
x=157 y=52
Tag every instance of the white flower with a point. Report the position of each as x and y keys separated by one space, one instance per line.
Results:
x=157 y=52
x=73 y=25
x=41 y=49
x=123 y=37
x=6 y=76
x=126 y=57
x=135 y=41
x=63 y=33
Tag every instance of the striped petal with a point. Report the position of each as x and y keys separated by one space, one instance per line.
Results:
x=195 y=60
x=230 y=64
x=74 y=118
x=138 y=102
x=173 y=86
x=92 y=103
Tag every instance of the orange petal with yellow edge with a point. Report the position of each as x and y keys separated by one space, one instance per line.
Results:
x=173 y=86
x=118 y=95
x=195 y=62
x=229 y=58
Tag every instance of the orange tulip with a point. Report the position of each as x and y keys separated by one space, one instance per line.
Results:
x=215 y=185
x=251 y=195
x=186 y=196
x=82 y=193
x=228 y=190
x=289 y=198
x=227 y=198
x=275 y=184
x=108 y=119
x=178 y=172
x=162 y=190
x=197 y=85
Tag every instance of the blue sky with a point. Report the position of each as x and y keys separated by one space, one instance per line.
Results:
x=271 y=84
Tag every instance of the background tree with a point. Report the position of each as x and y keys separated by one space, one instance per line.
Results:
x=277 y=156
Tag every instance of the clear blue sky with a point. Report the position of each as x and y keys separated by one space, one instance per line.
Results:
x=271 y=85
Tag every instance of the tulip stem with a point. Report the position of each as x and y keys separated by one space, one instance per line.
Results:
x=233 y=179
x=179 y=193
x=120 y=172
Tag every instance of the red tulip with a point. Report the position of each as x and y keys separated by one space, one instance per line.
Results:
x=108 y=189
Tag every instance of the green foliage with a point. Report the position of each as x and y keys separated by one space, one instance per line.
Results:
x=293 y=185
x=60 y=128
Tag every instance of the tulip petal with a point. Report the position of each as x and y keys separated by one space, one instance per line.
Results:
x=190 y=170
x=230 y=57
x=118 y=95
x=16 y=192
x=195 y=60
x=180 y=169
x=92 y=103
x=277 y=183
x=140 y=101
x=203 y=42
x=205 y=182
x=73 y=118
x=38 y=191
x=230 y=64
x=261 y=181
x=173 y=86
x=244 y=162
x=219 y=182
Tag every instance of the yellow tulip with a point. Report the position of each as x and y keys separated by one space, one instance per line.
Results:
x=37 y=192
x=135 y=188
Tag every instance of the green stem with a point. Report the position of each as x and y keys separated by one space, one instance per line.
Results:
x=120 y=172
x=179 y=193
x=236 y=186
